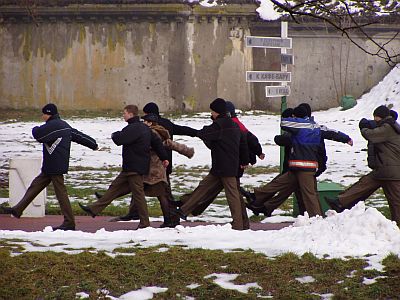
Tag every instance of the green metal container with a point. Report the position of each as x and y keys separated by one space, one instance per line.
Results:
x=325 y=189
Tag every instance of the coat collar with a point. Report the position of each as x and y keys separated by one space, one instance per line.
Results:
x=133 y=120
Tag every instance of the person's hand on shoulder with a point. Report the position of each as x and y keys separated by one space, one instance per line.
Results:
x=165 y=163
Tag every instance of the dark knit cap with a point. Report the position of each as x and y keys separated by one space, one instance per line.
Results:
x=287 y=113
x=300 y=112
x=230 y=107
x=151 y=108
x=50 y=109
x=151 y=118
x=307 y=107
x=218 y=105
x=382 y=111
x=394 y=114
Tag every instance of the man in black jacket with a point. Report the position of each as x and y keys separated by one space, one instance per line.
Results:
x=254 y=151
x=136 y=139
x=228 y=151
x=56 y=136
x=152 y=108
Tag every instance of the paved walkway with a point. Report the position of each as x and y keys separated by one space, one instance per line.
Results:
x=89 y=224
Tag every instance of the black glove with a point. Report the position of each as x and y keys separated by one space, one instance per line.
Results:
x=365 y=123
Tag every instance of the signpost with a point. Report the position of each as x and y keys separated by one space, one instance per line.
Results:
x=268 y=42
x=268 y=76
x=287 y=59
x=283 y=76
x=277 y=91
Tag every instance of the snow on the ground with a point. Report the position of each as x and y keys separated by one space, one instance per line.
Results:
x=224 y=281
x=356 y=233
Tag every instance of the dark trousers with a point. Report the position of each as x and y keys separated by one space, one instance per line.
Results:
x=210 y=197
x=366 y=186
x=41 y=182
x=161 y=190
x=273 y=194
x=213 y=185
x=135 y=183
x=303 y=183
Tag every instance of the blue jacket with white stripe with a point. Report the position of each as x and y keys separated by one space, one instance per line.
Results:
x=56 y=136
x=305 y=140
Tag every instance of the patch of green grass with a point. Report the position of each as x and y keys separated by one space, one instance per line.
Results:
x=51 y=275
x=4 y=193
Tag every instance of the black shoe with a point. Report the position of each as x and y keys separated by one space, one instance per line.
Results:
x=11 y=211
x=87 y=210
x=250 y=197
x=127 y=217
x=141 y=226
x=64 y=227
x=98 y=195
x=179 y=213
x=257 y=209
x=170 y=224
x=335 y=204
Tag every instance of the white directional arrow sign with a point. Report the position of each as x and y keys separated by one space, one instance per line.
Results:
x=277 y=91
x=268 y=42
x=268 y=76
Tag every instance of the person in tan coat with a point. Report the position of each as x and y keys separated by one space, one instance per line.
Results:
x=385 y=138
x=156 y=182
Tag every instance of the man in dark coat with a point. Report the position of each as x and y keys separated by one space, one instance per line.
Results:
x=385 y=138
x=136 y=139
x=228 y=151
x=173 y=129
x=254 y=150
x=56 y=136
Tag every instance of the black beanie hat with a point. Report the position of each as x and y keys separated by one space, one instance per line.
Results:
x=230 y=107
x=218 y=105
x=287 y=113
x=382 y=112
x=307 y=107
x=151 y=118
x=50 y=109
x=151 y=108
x=300 y=112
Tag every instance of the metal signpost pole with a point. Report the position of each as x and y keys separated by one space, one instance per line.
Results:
x=284 y=34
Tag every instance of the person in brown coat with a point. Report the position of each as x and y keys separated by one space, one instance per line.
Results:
x=156 y=181
x=385 y=138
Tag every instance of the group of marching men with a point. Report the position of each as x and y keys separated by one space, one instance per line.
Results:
x=147 y=145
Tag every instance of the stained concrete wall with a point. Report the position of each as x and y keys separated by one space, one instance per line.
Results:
x=100 y=66
x=97 y=63
x=106 y=57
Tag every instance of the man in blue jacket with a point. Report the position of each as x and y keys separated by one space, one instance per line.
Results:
x=136 y=139
x=56 y=136
x=270 y=196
